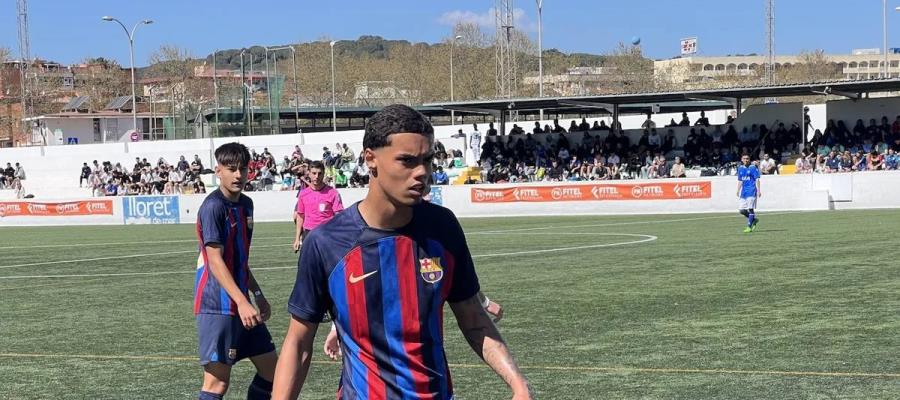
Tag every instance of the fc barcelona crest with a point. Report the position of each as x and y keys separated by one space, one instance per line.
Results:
x=431 y=270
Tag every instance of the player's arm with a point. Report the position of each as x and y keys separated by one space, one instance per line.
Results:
x=758 y=191
x=265 y=310
x=293 y=363
x=299 y=231
x=739 y=188
x=485 y=340
x=249 y=315
x=298 y=214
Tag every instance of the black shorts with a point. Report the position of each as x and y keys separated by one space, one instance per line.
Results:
x=223 y=338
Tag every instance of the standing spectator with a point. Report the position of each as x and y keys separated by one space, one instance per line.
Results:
x=475 y=144
x=702 y=121
x=685 y=121
x=85 y=175
x=20 y=172
x=491 y=130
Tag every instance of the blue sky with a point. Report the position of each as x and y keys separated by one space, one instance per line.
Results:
x=68 y=31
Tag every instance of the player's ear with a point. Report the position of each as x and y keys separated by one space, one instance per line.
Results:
x=369 y=158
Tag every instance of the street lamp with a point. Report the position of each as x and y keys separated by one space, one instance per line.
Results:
x=131 y=51
x=540 y=7
x=333 y=107
x=452 y=45
x=884 y=26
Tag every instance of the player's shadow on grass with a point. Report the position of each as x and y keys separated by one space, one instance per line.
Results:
x=769 y=231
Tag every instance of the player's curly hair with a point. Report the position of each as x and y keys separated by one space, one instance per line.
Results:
x=395 y=118
x=234 y=153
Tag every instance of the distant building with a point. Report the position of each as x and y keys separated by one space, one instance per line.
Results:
x=697 y=69
x=383 y=93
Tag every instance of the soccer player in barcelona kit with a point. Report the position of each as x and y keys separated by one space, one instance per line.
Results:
x=748 y=191
x=383 y=268
x=229 y=327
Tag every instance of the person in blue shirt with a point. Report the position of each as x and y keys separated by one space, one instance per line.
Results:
x=383 y=269
x=229 y=326
x=748 y=191
x=440 y=177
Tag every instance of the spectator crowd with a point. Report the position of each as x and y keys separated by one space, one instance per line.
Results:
x=603 y=153
x=600 y=152
x=12 y=178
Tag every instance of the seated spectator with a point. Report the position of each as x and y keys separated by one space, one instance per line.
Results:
x=677 y=169
x=584 y=126
x=685 y=121
x=537 y=128
x=891 y=160
x=440 y=177
x=768 y=166
x=803 y=164
x=874 y=161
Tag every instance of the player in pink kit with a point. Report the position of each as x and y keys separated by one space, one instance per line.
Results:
x=316 y=204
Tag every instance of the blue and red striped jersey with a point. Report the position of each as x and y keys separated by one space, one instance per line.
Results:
x=229 y=224
x=386 y=292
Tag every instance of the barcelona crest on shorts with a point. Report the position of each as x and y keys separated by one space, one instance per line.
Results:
x=431 y=269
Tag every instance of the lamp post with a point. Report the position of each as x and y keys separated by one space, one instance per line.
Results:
x=452 y=45
x=215 y=91
x=540 y=7
x=333 y=106
x=130 y=35
x=884 y=70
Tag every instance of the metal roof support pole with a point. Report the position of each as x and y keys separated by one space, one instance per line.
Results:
x=615 y=121
x=738 y=106
x=502 y=124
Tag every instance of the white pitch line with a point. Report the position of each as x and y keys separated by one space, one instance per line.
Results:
x=127 y=274
x=646 y=238
x=470 y=233
x=50 y=246
x=119 y=257
x=664 y=221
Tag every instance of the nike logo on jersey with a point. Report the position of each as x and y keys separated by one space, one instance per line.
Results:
x=355 y=279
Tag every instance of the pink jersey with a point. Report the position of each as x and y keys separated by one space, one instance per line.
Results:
x=318 y=206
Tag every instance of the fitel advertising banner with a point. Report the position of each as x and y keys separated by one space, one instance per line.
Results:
x=594 y=192
x=61 y=209
x=151 y=210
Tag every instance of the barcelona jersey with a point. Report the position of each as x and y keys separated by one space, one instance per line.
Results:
x=386 y=290
x=230 y=225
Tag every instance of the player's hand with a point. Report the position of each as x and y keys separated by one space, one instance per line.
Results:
x=249 y=315
x=758 y=194
x=495 y=310
x=297 y=244
x=332 y=346
x=265 y=310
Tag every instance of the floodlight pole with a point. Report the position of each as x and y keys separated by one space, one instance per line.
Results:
x=131 y=54
x=452 y=45
x=884 y=70
x=540 y=7
x=333 y=106
x=216 y=90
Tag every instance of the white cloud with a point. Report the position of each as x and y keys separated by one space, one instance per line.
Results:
x=486 y=20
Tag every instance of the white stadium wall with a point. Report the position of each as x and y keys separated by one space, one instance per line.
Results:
x=780 y=193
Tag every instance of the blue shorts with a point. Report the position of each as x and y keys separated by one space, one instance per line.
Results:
x=223 y=339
